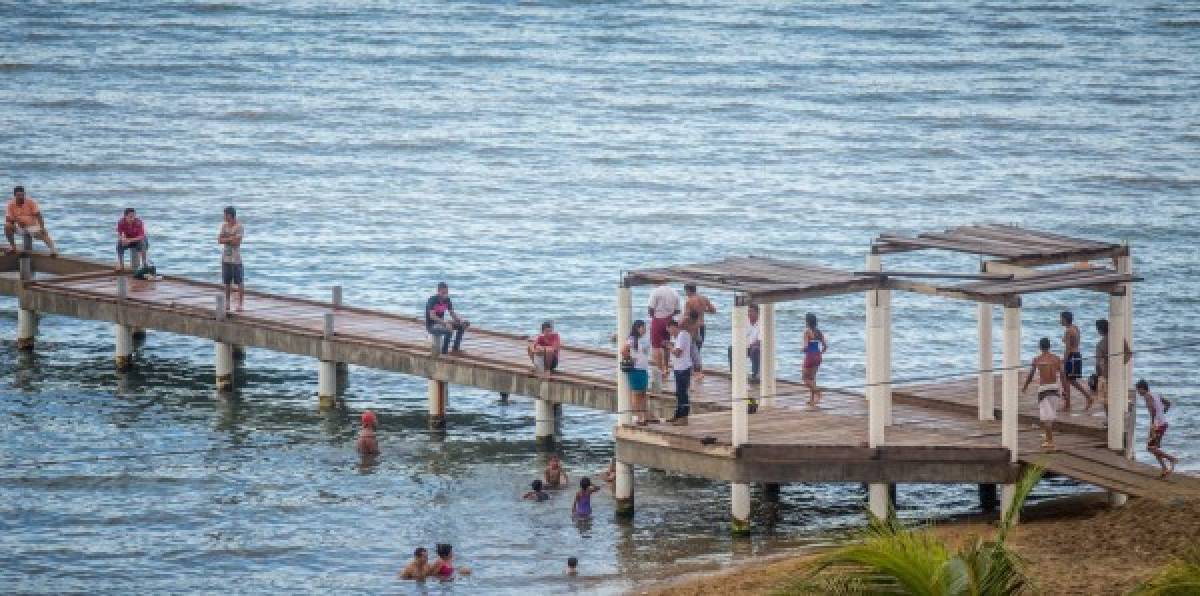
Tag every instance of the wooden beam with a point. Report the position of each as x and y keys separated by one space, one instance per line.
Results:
x=937 y=275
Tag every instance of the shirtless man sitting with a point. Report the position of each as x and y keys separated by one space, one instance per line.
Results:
x=1048 y=368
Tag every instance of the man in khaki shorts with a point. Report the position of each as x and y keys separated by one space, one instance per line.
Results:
x=1048 y=368
x=22 y=213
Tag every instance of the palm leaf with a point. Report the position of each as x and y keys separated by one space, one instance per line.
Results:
x=1180 y=577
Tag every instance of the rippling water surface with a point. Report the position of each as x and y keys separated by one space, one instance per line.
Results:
x=527 y=152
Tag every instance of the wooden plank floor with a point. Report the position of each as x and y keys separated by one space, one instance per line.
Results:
x=938 y=414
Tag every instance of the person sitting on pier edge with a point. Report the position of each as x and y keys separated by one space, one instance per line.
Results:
x=682 y=351
x=1048 y=368
x=131 y=236
x=23 y=214
x=700 y=304
x=663 y=305
x=544 y=349
x=637 y=350
x=436 y=309
x=1072 y=362
x=554 y=475
x=230 y=238
x=368 y=444
x=814 y=351
x=753 y=344
x=418 y=567
x=1158 y=407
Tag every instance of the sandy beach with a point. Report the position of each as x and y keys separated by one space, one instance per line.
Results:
x=1072 y=546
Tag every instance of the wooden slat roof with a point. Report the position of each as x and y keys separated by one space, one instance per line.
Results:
x=1011 y=243
x=999 y=290
x=761 y=279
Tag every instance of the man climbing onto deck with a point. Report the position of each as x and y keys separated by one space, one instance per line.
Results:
x=664 y=304
x=1048 y=368
x=436 y=309
x=1158 y=407
x=543 y=349
x=230 y=238
x=23 y=214
x=753 y=344
x=1072 y=362
x=700 y=304
x=131 y=236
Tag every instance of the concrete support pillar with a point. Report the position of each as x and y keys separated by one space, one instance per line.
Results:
x=623 y=484
x=885 y=297
x=439 y=394
x=1010 y=391
x=875 y=358
x=124 y=346
x=27 y=325
x=987 y=383
x=545 y=422
x=767 y=367
x=336 y=299
x=326 y=383
x=224 y=362
x=1118 y=385
x=740 y=497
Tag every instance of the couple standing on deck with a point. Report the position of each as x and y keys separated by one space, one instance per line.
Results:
x=675 y=346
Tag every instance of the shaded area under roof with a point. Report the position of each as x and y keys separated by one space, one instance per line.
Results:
x=1003 y=291
x=760 y=279
x=1013 y=244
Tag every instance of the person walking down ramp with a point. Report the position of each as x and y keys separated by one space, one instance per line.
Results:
x=1158 y=406
x=1048 y=369
x=230 y=238
x=23 y=214
x=436 y=309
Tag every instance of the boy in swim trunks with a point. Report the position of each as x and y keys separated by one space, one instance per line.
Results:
x=1048 y=368
x=1158 y=407
x=1072 y=362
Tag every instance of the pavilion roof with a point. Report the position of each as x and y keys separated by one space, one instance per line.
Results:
x=760 y=279
x=1013 y=244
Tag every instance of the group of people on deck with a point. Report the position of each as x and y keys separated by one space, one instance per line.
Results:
x=671 y=345
x=1057 y=375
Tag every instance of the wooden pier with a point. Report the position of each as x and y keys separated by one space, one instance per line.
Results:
x=944 y=432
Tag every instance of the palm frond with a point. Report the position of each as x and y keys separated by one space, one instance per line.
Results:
x=1029 y=479
x=1180 y=577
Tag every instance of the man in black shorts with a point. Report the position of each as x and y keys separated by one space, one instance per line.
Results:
x=230 y=239
x=1072 y=362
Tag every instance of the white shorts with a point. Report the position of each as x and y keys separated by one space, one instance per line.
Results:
x=1048 y=405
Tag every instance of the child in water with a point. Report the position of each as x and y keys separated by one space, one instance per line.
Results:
x=367 y=443
x=536 y=493
x=443 y=567
x=582 y=507
x=555 y=476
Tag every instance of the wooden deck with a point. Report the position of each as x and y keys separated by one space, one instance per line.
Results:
x=935 y=436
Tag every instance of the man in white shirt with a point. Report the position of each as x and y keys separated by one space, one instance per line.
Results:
x=753 y=344
x=682 y=350
x=664 y=304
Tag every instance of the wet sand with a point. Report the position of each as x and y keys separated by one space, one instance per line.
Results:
x=1073 y=546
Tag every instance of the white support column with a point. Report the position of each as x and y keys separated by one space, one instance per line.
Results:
x=1010 y=393
x=27 y=322
x=1118 y=385
x=336 y=298
x=877 y=493
x=124 y=348
x=224 y=352
x=987 y=383
x=326 y=368
x=767 y=349
x=885 y=297
x=544 y=422
x=740 y=495
x=623 y=484
x=1125 y=265
x=438 y=395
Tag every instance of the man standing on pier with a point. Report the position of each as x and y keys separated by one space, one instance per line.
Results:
x=682 y=350
x=700 y=304
x=230 y=239
x=22 y=213
x=436 y=309
x=1048 y=369
x=1072 y=362
x=663 y=305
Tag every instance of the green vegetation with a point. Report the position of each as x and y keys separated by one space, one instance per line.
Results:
x=1180 y=577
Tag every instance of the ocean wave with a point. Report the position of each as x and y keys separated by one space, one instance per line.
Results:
x=80 y=103
x=261 y=115
x=16 y=66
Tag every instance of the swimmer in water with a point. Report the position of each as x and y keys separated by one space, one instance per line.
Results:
x=418 y=567
x=367 y=443
x=555 y=476
x=582 y=507
x=443 y=567
x=536 y=492
x=572 y=566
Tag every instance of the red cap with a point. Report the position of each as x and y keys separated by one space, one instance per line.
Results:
x=368 y=418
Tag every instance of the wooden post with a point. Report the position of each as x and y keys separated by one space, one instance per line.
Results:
x=1010 y=390
x=623 y=484
x=767 y=368
x=877 y=493
x=740 y=497
x=987 y=383
x=544 y=423
x=439 y=394
x=27 y=322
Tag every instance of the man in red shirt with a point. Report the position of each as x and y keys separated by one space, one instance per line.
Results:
x=544 y=349
x=22 y=213
x=131 y=235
